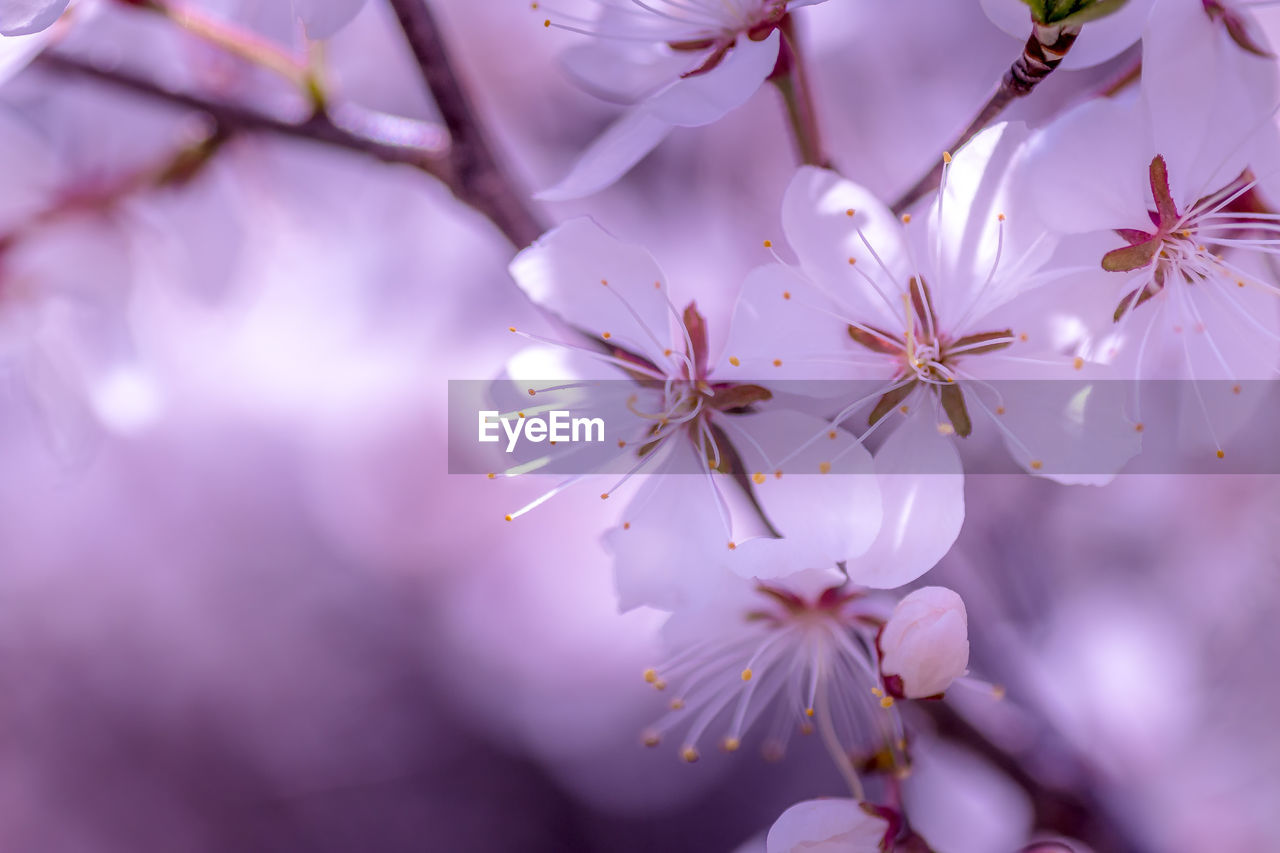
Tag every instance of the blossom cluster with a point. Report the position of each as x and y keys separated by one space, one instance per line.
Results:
x=1053 y=271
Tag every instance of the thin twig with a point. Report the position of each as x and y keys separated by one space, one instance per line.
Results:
x=1043 y=52
x=1076 y=811
x=318 y=128
x=480 y=180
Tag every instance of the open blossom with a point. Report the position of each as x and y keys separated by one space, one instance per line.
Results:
x=23 y=17
x=829 y=826
x=794 y=654
x=673 y=411
x=1162 y=189
x=788 y=653
x=925 y=644
x=925 y=312
x=678 y=63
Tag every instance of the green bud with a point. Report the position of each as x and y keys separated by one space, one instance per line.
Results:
x=1071 y=12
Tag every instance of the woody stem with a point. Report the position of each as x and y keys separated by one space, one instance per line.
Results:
x=793 y=82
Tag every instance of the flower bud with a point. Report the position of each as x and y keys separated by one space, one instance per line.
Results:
x=925 y=644
x=828 y=826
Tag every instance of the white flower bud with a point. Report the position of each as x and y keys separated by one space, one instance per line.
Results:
x=925 y=644
x=827 y=826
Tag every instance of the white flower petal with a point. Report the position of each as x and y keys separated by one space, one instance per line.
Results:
x=781 y=330
x=706 y=97
x=1089 y=168
x=625 y=143
x=826 y=504
x=819 y=227
x=599 y=284
x=23 y=17
x=1206 y=97
x=922 y=488
x=827 y=826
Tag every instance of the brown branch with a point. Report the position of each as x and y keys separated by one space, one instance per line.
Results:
x=1075 y=810
x=318 y=128
x=1043 y=52
x=479 y=179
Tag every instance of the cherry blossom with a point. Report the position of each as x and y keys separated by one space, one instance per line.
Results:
x=926 y=313
x=675 y=413
x=1170 y=209
x=678 y=64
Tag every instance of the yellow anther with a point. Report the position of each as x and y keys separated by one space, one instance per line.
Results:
x=886 y=701
x=660 y=685
x=999 y=410
x=853 y=261
x=903 y=409
x=1000 y=217
x=507 y=517
x=651 y=675
x=731 y=744
x=605 y=282
x=1138 y=427
x=777 y=475
x=532 y=392
x=757 y=478
x=666 y=352
x=746 y=674
x=808 y=712
x=547 y=22
x=1023 y=337
x=906 y=218
x=832 y=435
x=850 y=212
x=768 y=244
x=733 y=546
x=606 y=335
x=946 y=429
x=689 y=754
x=604 y=496
x=876 y=691
x=491 y=475
x=733 y=359
x=1036 y=464
x=777 y=362
x=946 y=157
x=626 y=525
x=621 y=444
x=1222 y=454
x=1077 y=362
x=511 y=328
x=998 y=691
x=1235 y=389
x=711 y=463
x=651 y=739
x=677 y=704
x=824 y=467
x=786 y=294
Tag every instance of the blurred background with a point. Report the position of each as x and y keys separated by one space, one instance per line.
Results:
x=244 y=607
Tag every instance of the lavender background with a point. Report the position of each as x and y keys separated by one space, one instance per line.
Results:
x=262 y=616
